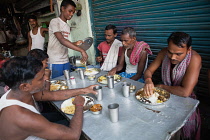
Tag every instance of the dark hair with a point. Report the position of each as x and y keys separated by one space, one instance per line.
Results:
x=130 y=31
x=20 y=70
x=32 y=17
x=65 y=3
x=37 y=54
x=180 y=38
x=108 y=27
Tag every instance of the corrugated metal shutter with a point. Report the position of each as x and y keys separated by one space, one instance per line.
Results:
x=155 y=20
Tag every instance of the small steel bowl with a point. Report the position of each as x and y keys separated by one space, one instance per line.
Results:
x=91 y=77
x=63 y=87
x=132 y=88
x=97 y=112
x=63 y=82
x=53 y=81
x=96 y=109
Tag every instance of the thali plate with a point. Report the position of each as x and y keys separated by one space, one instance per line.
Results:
x=68 y=107
x=103 y=80
x=92 y=71
x=58 y=85
x=162 y=98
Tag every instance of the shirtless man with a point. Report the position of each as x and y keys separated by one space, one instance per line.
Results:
x=180 y=71
x=18 y=112
x=36 y=36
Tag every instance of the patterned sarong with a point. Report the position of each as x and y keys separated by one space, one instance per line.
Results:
x=139 y=46
x=191 y=130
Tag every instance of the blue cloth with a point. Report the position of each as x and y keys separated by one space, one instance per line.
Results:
x=94 y=66
x=129 y=75
x=57 y=69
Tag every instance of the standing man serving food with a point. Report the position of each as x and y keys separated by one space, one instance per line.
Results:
x=180 y=71
x=58 y=45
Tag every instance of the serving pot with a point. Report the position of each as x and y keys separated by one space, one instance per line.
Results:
x=76 y=61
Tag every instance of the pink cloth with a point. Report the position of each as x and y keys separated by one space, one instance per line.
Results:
x=191 y=130
x=104 y=48
x=139 y=46
x=2 y=62
x=6 y=88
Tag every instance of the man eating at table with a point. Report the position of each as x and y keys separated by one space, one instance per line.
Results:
x=180 y=71
x=134 y=54
x=18 y=111
x=109 y=50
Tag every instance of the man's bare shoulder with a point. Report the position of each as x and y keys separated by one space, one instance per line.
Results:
x=162 y=53
x=20 y=116
x=196 y=58
x=195 y=54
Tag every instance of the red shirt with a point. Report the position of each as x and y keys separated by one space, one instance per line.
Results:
x=104 y=48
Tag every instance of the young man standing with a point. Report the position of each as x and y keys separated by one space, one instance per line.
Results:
x=58 y=45
x=18 y=111
x=134 y=54
x=180 y=71
x=110 y=50
x=36 y=37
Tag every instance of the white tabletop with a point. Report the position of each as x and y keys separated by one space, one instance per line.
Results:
x=136 y=120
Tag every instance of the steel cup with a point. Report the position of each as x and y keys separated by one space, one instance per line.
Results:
x=110 y=81
x=68 y=83
x=126 y=89
x=66 y=74
x=99 y=94
x=114 y=112
x=81 y=73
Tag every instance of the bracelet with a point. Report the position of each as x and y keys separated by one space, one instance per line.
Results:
x=79 y=105
x=148 y=78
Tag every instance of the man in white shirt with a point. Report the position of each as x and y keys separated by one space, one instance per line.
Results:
x=58 y=45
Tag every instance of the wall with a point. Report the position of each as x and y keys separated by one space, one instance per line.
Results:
x=155 y=20
x=81 y=29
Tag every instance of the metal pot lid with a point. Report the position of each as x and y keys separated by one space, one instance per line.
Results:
x=87 y=43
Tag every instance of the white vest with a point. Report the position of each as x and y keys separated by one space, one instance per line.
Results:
x=4 y=102
x=37 y=40
x=129 y=67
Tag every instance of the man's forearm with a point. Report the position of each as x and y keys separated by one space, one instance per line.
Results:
x=136 y=77
x=77 y=121
x=176 y=90
x=60 y=94
x=65 y=94
x=147 y=74
x=70 y=45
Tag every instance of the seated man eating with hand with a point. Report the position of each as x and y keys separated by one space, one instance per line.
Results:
x=180 y=71
x=18 y=110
